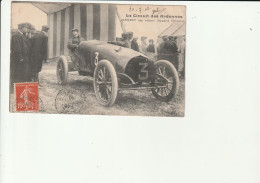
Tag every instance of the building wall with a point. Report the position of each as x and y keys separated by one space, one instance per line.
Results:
x=94 y=21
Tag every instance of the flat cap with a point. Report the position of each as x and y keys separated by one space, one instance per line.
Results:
x=75 y=29
x=130 y=33
x=22 y=25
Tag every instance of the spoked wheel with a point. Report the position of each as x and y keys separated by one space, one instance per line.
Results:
x=62 y=70
x=169 y=79
x=105 y=83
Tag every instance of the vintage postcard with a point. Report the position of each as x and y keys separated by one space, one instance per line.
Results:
x=98 y=59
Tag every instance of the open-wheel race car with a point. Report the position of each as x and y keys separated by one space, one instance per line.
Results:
x=117 y=68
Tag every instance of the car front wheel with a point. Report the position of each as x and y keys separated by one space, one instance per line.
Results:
x=105 y=83
x=168 y=78
x=62 y=70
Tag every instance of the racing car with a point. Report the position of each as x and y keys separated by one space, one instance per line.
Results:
x=116 y=68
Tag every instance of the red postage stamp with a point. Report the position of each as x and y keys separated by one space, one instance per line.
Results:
x=26 y=96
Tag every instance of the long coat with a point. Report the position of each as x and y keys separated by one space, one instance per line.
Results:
x=20 y=56
x=39 y=46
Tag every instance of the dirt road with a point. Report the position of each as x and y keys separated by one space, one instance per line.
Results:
x=131 y=103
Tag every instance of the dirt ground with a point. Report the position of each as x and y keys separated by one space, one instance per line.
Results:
x=129 y=102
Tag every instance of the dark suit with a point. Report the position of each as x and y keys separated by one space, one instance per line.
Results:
x=151 y=48
x=39 y=46
x=134 y=45
x=20 y=56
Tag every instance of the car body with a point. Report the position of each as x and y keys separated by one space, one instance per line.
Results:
x=116 y=68
x=126 y=62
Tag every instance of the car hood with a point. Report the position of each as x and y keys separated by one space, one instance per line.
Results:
x=117 y=55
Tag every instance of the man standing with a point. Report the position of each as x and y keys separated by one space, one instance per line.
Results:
x=143 y=46
x=173 y=42
x=162 y=45
x=134 y=44
x=73 y=45
x=130 y=36
x=151 y=47
x=125 y=40
x=20 y=55
x=39 y=46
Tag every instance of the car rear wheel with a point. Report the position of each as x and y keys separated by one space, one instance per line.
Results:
x=62 y=70
x=105 y=83
x=168 y=77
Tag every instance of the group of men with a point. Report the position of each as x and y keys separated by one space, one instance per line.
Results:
x=28 y=51
x=167 y=46
x=129 y=41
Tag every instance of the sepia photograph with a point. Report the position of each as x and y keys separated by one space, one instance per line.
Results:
x=105 y=91
x=98 y=59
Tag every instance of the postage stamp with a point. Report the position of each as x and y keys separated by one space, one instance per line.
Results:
x=26 y=97
x=128 y=59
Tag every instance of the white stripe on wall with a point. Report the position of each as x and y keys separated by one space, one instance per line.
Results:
x=104 y=22
x=77 y=17
x=50 y=36
x=58 y=33
x=89 y=22
x=66 y=31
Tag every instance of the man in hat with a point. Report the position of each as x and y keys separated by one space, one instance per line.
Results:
x=158 y=44
x=143 y=46
x=125 y=40
x=32 y=30
x=173 y=42
x=39 y=46
x=130 y=35
x=151 y=47
x=73 y=45
x=161 y=47
x=129 y=38
x=134 y=44
x=20 y=54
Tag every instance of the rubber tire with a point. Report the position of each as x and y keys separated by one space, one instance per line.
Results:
x=64 y=62
x=175 y=89
x=114 y=80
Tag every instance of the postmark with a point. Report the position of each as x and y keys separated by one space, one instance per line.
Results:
x=69 y=101
x=26 y=97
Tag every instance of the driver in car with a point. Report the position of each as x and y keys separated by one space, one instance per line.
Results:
x=73 y=45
